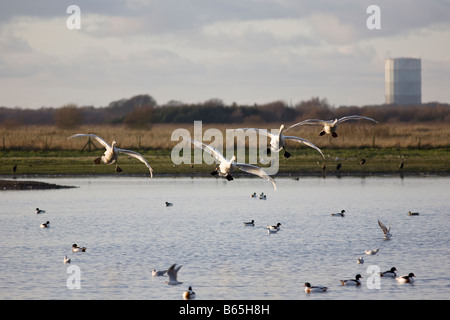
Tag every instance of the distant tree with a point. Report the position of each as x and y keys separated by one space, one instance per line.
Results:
x=68 y=116
x=140 y=117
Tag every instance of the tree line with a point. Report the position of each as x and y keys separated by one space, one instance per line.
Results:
x=142 y=111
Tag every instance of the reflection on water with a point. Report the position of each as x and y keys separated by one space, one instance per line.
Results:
x=128 y=231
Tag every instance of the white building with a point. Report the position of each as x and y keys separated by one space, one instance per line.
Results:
x=403 y=84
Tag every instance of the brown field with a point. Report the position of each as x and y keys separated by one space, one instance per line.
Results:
x=158 y=137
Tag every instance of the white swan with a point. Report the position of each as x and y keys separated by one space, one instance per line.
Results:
x=386 y=230
x=330 y=126
x=278 y=141
x=172 y=272
x=112 y=152
x=226 y=167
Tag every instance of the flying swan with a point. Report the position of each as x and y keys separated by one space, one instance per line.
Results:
x=330 y=126
x=112 y=152
x=278 y=141
x=226 y=167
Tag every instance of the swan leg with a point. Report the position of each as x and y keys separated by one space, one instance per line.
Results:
x=118 y=168
x=286 y=154
x=268 y=151
x=229 y=177
x=321 y=133
x=97 y=161
x=214 y=173
x=334 y=135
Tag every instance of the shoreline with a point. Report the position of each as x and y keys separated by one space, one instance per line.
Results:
x=13 y=182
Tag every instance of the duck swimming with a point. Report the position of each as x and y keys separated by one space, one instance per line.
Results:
x=66 y=260
x=45 y=225
x=76 y=248
x=274 y=229
x=249 y=223
x=413 y=213
x=309 y=288
x=339 y=214
x=330 y=126
x=112 y=152
x=189 y=294
x=390 y=273
x=352 y=282
x=38 y=211
x=406 y=279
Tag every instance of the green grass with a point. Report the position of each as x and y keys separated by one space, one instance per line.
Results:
x=378 y=161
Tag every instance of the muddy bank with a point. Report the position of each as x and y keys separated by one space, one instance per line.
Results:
x=29 y=185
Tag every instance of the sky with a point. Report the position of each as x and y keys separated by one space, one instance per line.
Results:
x=237 y=51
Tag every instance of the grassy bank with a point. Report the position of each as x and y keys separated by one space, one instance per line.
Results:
x=45 y=150
x=302 y=162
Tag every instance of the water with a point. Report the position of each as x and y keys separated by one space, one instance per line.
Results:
x=128 y=231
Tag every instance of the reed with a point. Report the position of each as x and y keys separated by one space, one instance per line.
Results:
x=158 y=137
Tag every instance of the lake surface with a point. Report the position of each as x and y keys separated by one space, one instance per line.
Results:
x=128 y=231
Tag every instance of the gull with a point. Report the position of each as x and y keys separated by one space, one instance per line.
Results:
x=226 y=167
x=371 y=252
x=278 y=141
x=189 y=294
x=309 y=288
x=38 y=211
x=386 y=231
x=172 y=273
x=330 y=126
x=157 y=273
x=45 y=225
x=352 y=282
x=112 y=152
x=66 y=260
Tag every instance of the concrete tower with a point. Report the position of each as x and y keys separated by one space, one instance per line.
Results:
x=403 y=84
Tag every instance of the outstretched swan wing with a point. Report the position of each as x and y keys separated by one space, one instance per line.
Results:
x=256 y=171
x=211 y=150
x=138 y=156
x=355 y=117
x=100 y=140
x=305 y=142
x=309 y=121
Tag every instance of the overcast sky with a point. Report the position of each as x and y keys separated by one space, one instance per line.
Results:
x=243 y=51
